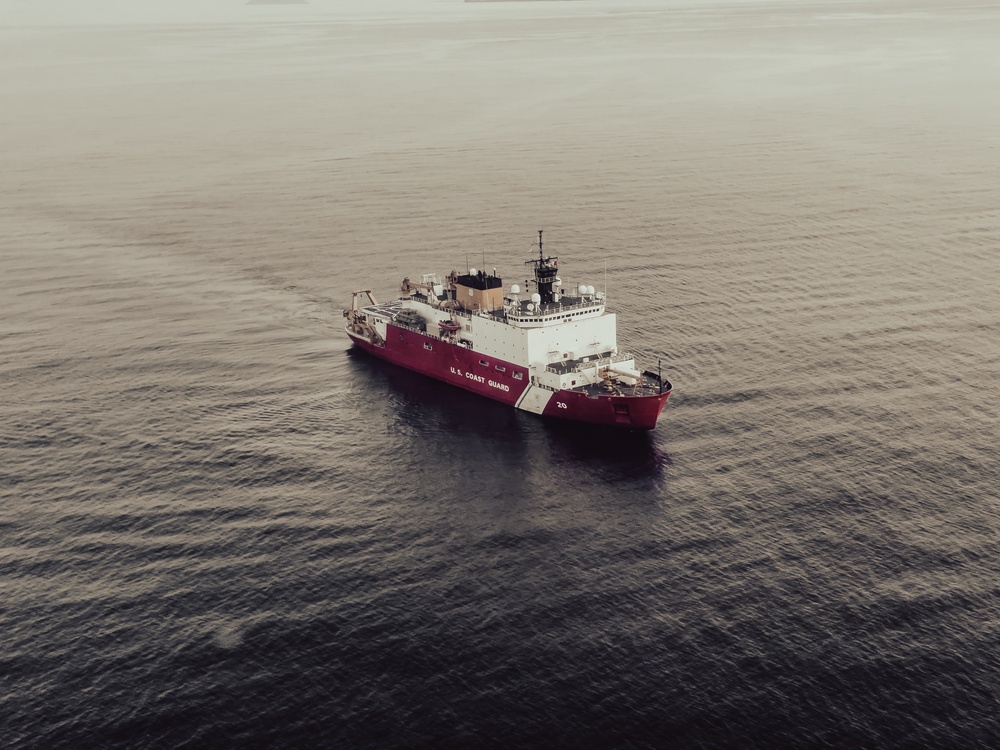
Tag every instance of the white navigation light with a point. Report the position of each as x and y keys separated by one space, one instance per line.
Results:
x=536 y=298
x=582 y=289
x=515 y=289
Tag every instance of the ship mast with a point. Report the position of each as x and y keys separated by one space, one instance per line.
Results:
x=545 y=272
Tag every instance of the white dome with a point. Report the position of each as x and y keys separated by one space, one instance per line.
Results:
x=590 y=291
x=583 y=289
x=536 y=298
x=515 y=289
x=472 y=272
x=530 y=307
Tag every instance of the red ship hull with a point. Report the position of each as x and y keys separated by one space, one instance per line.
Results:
x=508 y=382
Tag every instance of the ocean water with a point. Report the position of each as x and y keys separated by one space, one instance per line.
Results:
x=222 y=527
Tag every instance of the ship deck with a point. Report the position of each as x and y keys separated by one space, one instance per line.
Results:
x=645 y=387
x=565 y=366
x=385 y=309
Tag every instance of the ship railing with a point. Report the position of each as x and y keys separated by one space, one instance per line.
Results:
x=410 y=327
x=524 y=314
x=539 y=314
x=431 y=334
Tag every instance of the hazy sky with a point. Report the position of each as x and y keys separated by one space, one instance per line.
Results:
x=138 y=11
x=156 y=11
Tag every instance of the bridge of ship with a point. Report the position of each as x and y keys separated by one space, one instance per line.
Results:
x=526 y=311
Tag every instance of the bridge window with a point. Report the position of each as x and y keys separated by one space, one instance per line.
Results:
x=484 y=363
x=501 y=369
x=428 y=346
x=518 y=376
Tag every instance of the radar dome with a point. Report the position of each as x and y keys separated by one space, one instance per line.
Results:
x=536 y=298
x=590 y=291
x=472 y=272
x=582 y=289
x=515 y=289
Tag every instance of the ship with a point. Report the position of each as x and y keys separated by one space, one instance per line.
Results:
x=547 y=350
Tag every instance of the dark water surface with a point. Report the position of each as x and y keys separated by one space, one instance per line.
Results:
x=221 y=527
